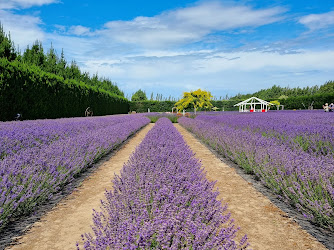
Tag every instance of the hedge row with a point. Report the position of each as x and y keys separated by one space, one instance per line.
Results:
x=317 y=100
x=154 y=106
x=35 y=94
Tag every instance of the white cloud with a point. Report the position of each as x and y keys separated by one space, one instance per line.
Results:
x=257 y=60
x=24 y=29
x=11 y=4
x=216 y=71
x=215 y=16
x=79 y=30
x=188 y=25
x=318 y=21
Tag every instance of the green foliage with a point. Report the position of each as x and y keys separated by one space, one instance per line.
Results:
x=328 y=87
x=318 y=100
x=226 y=105
x=36 y=94
x=35 y=55
x=283 y=97
x=51 y=63
x=154 y=106
x=7 y=49
x=275 y=92
x=171 y=117
x=139 y=96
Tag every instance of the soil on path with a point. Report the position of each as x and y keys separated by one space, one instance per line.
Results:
x=266 y=226
x=62 y=227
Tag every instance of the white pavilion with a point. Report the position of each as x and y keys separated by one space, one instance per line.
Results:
x=253 y=104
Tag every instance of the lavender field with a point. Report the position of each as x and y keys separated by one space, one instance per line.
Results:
x=291 y=152
x=162 y=200
x=37 y=158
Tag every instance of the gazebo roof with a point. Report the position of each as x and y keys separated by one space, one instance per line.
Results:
x=253 y=100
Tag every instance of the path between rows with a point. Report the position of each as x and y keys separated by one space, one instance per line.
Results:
x=266 y=226
x=62 y=227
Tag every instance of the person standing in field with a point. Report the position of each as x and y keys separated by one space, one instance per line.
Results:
x=326 y=108
x=331 y=107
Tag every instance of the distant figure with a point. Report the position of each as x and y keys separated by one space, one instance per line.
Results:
x=331 y=107
x=325 y=107
x=18 y=117
x=88 y=112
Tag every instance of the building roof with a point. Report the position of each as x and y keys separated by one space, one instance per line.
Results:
x=253 y=100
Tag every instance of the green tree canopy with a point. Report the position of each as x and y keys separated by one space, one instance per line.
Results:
x=139 y=96
x=328 y=87
x=198 y=98
x=7 y=48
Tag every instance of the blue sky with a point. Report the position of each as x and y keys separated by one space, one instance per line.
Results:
x=167 y=47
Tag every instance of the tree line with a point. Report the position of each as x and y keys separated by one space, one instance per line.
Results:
x=35 y=85
x=140 y=95
x=52 y=63
x=277 y=92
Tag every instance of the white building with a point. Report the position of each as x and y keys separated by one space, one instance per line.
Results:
x=253 y=104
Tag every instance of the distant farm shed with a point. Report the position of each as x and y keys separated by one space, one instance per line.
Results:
x=253 y=104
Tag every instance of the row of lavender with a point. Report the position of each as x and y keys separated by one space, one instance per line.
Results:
x=272 y=146
x=162 y=200
x=39 y=157
x=311 y=131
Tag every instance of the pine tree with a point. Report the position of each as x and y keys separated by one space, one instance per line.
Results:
x=51 y=61
x=7 y=49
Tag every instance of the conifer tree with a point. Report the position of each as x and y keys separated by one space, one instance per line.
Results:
x=7 y=48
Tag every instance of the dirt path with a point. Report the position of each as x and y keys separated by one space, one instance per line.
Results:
x=63 y=226
x=267 y=226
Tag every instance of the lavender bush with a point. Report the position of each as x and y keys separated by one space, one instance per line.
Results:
x=155 y=116
x=39 y=157
x=290 y=152
x=162 y=200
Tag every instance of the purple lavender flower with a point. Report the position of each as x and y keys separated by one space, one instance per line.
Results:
x=290 y=152
x=37 y=158
x=162 y=200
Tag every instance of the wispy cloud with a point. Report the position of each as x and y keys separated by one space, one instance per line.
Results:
x=318 y=21
x=79 y=30
x=215 y=70
x=188 y=25
x=13 y=4
x=24 y=29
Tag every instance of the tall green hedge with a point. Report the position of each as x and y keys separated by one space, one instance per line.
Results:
x=318 y=99
x=154 y=106
x=35 y=94
x=226 y=105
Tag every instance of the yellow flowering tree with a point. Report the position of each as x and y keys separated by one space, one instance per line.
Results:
x=277 y=103
x=198 y=98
